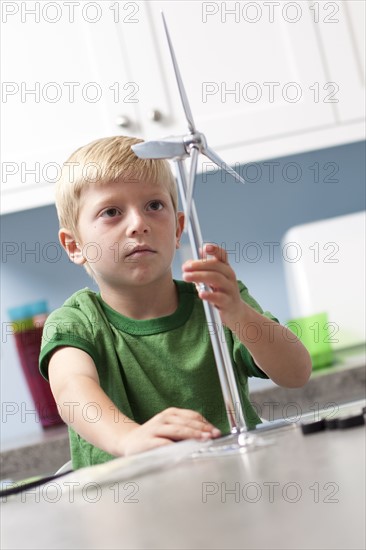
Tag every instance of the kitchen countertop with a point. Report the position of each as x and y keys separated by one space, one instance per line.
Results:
x=330 y=387
x=327 y=388
x=288 y=491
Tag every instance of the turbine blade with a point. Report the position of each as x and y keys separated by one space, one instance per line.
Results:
x=167 y=148
x=182 y=92
x=221 y=164
x=192 y=177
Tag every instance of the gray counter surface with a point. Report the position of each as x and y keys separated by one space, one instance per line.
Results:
x=295 y=492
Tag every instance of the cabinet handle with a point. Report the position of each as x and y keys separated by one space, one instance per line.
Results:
x=155 y=115
x=123 y=121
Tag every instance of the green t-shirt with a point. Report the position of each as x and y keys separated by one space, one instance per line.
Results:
x=146 y=366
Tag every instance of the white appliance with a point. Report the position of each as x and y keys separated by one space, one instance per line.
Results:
x=325 y=271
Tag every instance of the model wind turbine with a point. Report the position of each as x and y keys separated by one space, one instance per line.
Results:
x=178 y=149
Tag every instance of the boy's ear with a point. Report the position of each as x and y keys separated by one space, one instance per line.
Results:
x=180 y=227
x=72 y=246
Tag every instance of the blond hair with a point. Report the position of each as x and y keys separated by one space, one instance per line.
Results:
x=99 y=162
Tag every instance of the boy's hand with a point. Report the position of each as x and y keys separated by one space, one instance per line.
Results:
x=215 y=272
x=166 y=427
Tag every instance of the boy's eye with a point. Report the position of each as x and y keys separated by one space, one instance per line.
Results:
x=155 y=205
x=110 y=213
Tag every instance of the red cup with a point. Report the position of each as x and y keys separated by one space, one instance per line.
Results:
x=28 y=344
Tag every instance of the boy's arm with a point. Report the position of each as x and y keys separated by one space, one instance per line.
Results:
x=278 y=352
x=75 y=383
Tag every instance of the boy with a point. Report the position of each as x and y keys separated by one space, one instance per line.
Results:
x=131 y=367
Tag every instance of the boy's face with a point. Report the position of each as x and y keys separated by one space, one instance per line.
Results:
x=128 y=233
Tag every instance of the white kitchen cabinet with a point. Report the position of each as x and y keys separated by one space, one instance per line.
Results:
x=343 y=43
x=264 y=79
x=64 y=83
x=246 y=82
x=261 y=78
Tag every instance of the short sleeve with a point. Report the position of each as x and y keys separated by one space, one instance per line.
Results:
x=67 y=326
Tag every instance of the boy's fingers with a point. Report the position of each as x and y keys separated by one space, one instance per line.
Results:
x=209 y=252
x=177 y=432
x=218 y=252
x=195 y=266
x=211 y=278
x=194 y=422
x=187 y=413
x=185 y=419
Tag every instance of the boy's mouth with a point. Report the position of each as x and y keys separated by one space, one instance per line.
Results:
x=140 y=250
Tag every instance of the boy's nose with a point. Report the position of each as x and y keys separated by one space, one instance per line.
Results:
x=137 y=224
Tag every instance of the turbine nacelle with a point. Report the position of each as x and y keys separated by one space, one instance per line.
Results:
x=171 y=147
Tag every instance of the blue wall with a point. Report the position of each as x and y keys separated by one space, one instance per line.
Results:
x=304 y=188
x=262 y=211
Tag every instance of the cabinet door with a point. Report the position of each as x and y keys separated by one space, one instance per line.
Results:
x=342 y=34
x=251 y=72
x=64 y=84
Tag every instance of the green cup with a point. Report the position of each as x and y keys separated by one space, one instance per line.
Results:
x=313 y=331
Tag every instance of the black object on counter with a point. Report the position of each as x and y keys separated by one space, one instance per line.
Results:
x=313 y=427
x=332 y=424
x=341 y=423
x=351 y=421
